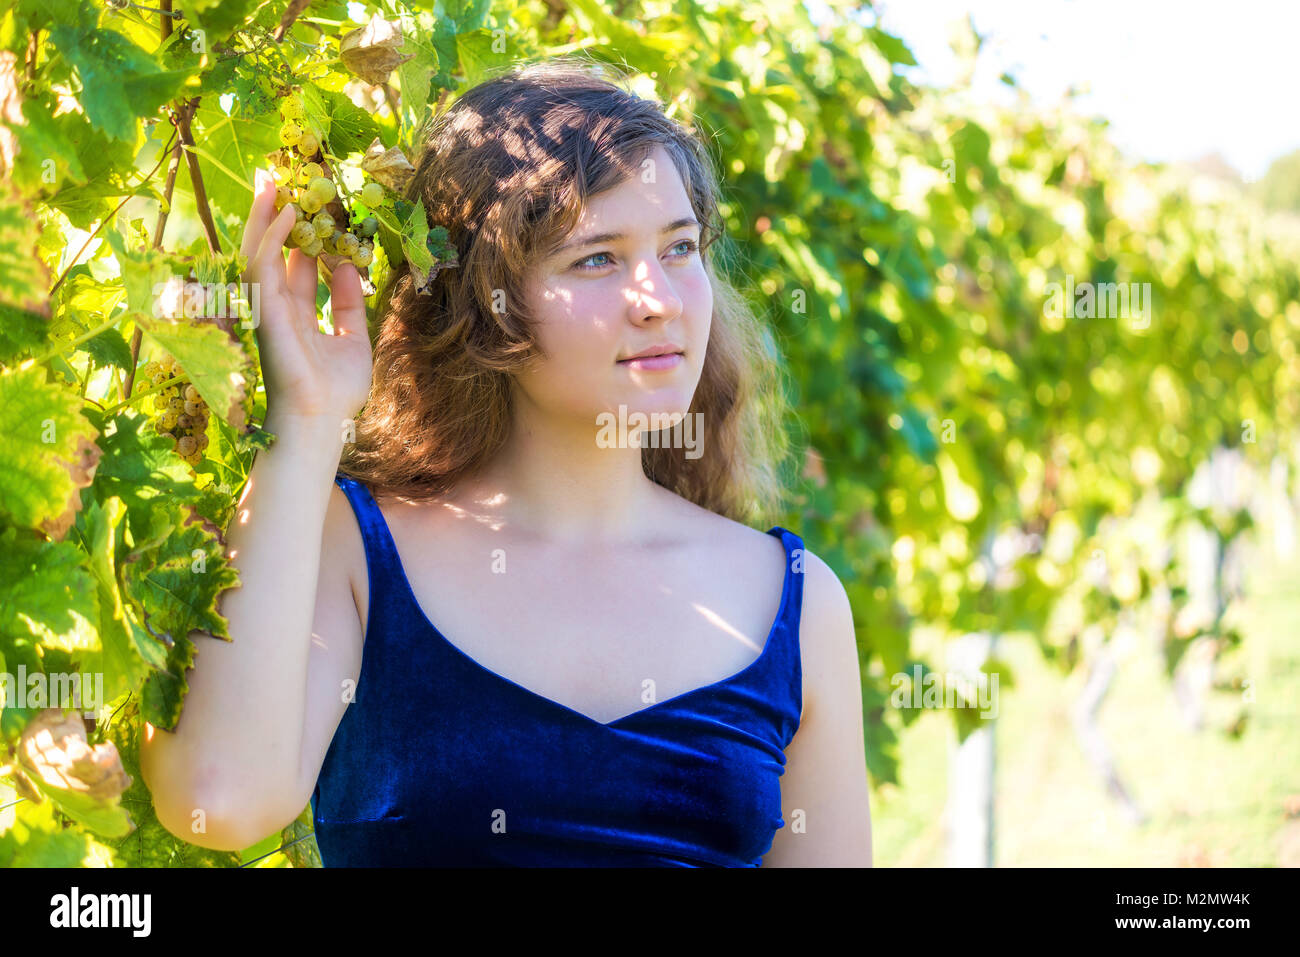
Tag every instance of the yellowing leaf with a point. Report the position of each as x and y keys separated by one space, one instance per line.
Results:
x=48 y=453
x=209 y=355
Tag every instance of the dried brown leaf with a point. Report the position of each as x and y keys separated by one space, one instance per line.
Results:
x=371 y=52
x=389 y=167
x=54 y=749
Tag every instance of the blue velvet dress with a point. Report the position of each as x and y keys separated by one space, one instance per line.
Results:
x=440 y=761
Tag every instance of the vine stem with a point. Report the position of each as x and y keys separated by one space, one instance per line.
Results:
x=102 y=327
x=291 y=14
x=33 y=47
x=282 y=847
x=183 y=117
x=137 y=336
x=174 y=380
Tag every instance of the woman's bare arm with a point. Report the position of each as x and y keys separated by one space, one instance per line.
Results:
x=237 y=753
x=232 y=764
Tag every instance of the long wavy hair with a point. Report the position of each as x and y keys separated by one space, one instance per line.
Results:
x=506 y=170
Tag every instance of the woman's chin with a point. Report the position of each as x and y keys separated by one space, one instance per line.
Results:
x=668 y=413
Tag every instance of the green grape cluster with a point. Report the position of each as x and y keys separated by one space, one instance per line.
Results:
x=301 y=182
x=180 y=411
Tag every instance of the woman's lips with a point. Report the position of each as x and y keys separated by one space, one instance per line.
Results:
x=653 y=363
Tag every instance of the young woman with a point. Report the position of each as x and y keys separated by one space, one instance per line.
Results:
x=495 y=629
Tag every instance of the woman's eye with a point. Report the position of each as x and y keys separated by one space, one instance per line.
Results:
x=579 y=263
x=690 y=244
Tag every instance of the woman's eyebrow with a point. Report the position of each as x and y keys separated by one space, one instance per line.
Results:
x=613 y=237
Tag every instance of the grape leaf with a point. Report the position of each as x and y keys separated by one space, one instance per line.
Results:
x=39 y=839
x=44 y=147
x=119 y=81
x=477 y=52
x=412 y=230
x=415 y=76
x=21 y=332
x=83 y=296
x=48 y=454
x=207 y=354
x=351 y=128
x=219 y=18
x=46 y=592
x=179 y=581
x=372 y=52
x=210 y=358
x=468 y=14
x=299 y=841
x=217 y=504
x=85 y=782
x=109 y=349
x=893 y=48
x=163 y=694
x=23 y=277
x=102 y=159
x=230 y=150
x=41 y=14
x=105 y=819
x=140 y=468
x=127 y=649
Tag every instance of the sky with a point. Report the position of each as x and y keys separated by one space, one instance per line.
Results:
x=1176 y=80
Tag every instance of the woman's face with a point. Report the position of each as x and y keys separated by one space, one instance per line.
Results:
x=600 y=301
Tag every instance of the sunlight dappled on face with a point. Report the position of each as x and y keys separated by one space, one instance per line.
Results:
x=629 y=277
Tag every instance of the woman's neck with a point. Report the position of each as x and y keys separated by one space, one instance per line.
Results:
x=552 y=481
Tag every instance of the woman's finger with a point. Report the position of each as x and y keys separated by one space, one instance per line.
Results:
x=260 y=213
x=302 y=285
x=270 y=253
x=347 y=302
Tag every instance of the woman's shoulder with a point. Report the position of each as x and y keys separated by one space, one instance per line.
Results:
x=827 y=636
x=704 y=525
x=699 y=525
x=825 y=599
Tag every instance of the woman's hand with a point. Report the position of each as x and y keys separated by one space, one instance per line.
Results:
x=308 y=374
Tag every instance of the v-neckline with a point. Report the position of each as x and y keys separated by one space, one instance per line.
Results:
x=408 y=595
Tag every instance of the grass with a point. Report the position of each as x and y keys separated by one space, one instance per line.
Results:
x=1211 y=799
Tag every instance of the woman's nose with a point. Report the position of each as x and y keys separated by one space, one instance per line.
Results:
x=652 y=291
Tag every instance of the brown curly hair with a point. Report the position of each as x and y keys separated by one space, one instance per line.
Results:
x=506 y=170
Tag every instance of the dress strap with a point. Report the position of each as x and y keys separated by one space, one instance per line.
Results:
x=383 y=565
x=792 y=608
x=787 y=670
